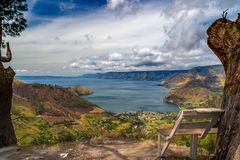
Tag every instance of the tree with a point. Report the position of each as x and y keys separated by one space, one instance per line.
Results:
x=12 y=23
x=224 y=40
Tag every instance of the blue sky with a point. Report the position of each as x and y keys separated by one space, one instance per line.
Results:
x=56 y=8
x=73 y=37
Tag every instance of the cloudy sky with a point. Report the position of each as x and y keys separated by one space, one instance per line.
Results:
x=74 y=37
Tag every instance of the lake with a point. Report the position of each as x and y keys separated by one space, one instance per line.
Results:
x=115 y=95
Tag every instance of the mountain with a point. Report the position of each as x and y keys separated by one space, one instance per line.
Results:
x=140 y=75
x=51 y=100
x=90 y=75
x=48 y=114
x=198 y=87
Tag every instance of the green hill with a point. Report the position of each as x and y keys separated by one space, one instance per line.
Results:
x=48 y=114
x=199 y=87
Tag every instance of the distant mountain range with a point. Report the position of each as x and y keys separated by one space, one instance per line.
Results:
x=47 y=113
x=198 y=87
x=136 y=75
x=160 y=75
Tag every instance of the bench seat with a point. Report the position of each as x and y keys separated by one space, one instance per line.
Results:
x=199 y=131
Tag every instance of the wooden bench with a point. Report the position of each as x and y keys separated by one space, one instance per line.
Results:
x=209 y=119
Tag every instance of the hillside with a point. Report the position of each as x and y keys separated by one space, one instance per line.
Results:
x=138 y=75
x=46 y=114
x=51 y=100
x=199 y=87
x=44 y=110
x=52 y=114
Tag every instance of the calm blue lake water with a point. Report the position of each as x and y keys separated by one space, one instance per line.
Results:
x=116 y=95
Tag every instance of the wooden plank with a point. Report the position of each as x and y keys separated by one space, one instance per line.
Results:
x=159 y=145
x=193 y=147
x=209 y=126
x=208 y=110
x=165 y=147
x=199 y=131
x=190 y=114
x=176 y=126
x=193 y=125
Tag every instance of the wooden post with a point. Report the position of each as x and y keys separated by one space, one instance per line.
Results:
x=174 y=130
x=210 y=125
x=159 y=145
x=193 y=147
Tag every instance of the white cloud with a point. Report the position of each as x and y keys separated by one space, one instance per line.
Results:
x=124 y=7
x=21 y=71
x=74 y=65
x=66 y=6
x=113 y=4
x=186 y=32
x=115 y=57
x=163 y=35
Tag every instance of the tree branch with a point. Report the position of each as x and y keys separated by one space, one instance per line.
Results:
x=224 y=15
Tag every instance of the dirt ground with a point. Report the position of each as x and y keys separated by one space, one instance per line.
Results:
x=92 y=150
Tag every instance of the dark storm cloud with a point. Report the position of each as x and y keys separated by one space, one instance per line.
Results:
x=148 y=63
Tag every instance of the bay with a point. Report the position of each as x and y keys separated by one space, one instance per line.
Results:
x=115 y=95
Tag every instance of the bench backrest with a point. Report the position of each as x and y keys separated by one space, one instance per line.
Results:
x=209 y=119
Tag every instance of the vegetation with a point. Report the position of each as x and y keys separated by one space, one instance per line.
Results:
x=200 y=87
x=34 y=129
x=36 y=122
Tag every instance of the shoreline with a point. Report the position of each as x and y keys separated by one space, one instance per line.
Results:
x=86 y=96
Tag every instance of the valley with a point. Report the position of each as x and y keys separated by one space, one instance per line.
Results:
x=51 y=114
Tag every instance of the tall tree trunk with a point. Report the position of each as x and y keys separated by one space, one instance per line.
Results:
x=7 y=134
x=224 y=40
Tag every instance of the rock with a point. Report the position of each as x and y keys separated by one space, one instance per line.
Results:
x=34 y=158
x=64 y=155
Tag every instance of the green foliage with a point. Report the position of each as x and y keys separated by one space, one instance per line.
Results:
x=12 y=17
x=209 y=142
x=45 y=136
x=67 y=136
x=183 y=140
x=121 y=125
x=31 y=129
x=206 y=144
x=80 y=135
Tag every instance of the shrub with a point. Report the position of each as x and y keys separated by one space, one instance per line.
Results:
x=66 y=136
x=209 y=142
x=45 y=136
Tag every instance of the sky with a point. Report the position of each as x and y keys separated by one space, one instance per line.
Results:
x=75 y=37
